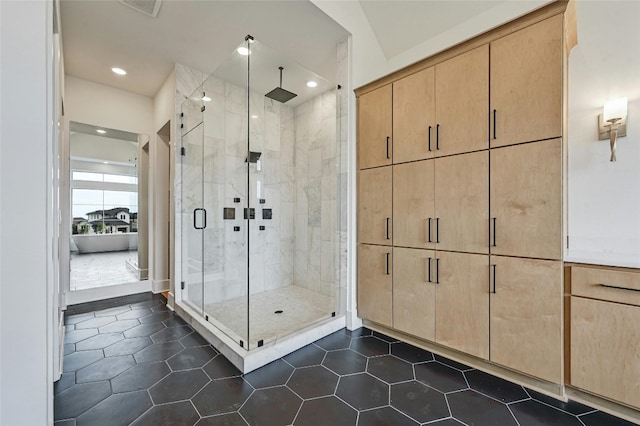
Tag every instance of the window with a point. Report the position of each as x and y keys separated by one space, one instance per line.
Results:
x=104 y=177
x=95 y=205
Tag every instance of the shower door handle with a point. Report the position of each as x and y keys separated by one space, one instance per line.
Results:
x=195 y=218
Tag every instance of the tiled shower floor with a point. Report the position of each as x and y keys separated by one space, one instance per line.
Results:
x=297 y=307
x=131 y=361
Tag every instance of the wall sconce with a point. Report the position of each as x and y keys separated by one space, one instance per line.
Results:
x=612 y=123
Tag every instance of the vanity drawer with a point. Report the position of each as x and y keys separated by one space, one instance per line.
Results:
x=614 y=285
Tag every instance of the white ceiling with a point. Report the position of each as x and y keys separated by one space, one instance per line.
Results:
x=400 y=25
x=98 y=35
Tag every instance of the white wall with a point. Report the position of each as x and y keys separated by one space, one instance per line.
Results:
x=369 y=62
x=93 y=103
x=604 y=197
x=25 y=138
x=160 y=154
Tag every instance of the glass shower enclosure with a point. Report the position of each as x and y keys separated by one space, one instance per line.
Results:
x=259 y=204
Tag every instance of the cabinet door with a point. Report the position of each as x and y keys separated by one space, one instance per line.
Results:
x=462 y=302
x=605 y=349
x=526 y=200
x=375 y=144
x=462 y=103
x=375 y=265
x=413 y=117
x=414 y=292
x=413 y=210
x=374 y=206
x=526 y=84
x=462 y=202
x=526 y=316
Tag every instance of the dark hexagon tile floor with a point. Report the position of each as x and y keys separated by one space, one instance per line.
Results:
x=130 y=360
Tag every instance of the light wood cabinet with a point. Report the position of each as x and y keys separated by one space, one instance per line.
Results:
x=414 y=292
x=413 y=204
x=462 y=202
x=413 y=117
x=375 y=266
x=375 y=143
x=462 y=103
x=526 y=84
x=460 y=187
x=526 y=200
x=375 y=224
x=462 y=302
x=526 y=316
x=605 y=349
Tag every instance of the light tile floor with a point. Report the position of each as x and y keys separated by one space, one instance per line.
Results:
x=91 y=270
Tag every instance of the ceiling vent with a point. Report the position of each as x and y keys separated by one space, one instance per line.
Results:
x=148 y=7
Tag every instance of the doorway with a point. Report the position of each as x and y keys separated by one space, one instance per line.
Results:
x=104 y=177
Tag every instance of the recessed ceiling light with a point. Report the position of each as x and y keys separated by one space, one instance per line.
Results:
x=105 y=162
x=102 y=132
x=243 y=51
x=206 y=98
x=312 y=84
x=118 y=71
x=254 y=116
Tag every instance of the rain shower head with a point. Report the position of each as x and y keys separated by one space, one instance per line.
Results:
x=279 y=94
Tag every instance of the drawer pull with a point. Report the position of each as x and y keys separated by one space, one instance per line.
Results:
x=437 y=271
x=619 y=288
x=429 y=139
x=388 y=157
x=437 y=137
x=429 y=232
x=387 y=228
x=429 y=270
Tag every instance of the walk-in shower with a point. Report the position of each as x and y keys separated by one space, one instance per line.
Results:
x=260 y=200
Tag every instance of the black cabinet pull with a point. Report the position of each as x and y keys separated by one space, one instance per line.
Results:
x=437 y=230
x=429 y=138
x=494 y=279
x=387 y=228
x=205 y=218
x=437 y=271
x=388 y=273
x=493 y=242
x=388 y=148
x=437 y=137
x=494 y=124
x=618 y=287
x=429 y=233
x=429 y=271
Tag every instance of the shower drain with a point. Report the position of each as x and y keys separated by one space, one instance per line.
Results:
x=279 y=311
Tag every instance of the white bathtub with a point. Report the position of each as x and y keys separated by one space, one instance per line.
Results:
x=96 y=243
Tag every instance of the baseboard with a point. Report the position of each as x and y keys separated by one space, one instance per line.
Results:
x=604 y=405
x=553 y=390
x=99 y=293
x=158 y=286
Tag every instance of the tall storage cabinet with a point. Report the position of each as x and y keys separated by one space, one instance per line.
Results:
x=475 y=182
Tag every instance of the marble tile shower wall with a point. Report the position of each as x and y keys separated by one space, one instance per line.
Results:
x=316 y=177
x=303 y=179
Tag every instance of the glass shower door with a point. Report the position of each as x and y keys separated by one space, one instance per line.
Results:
x=193 y=214
x=225 y=199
